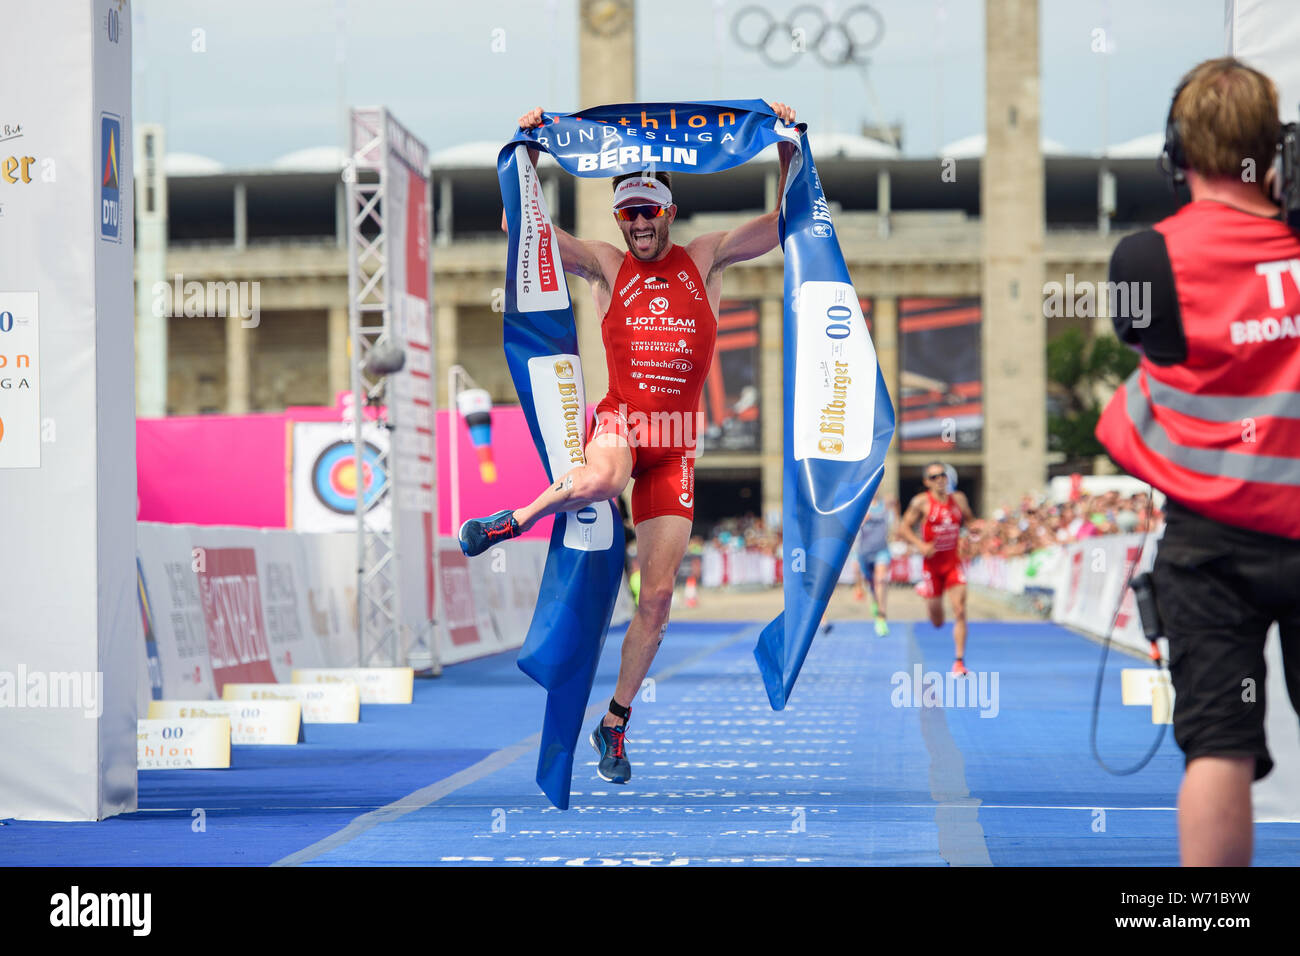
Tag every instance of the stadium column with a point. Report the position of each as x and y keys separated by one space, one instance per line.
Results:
x=443 y=230
x=884 y=335
x=151 y=268
x=1101 y=328
x=771 y=332
x=446 y=341
x=606 y=74
x=71 y=653
x=241 y=216
x=238 y=350
x=341 y=215
x=340 y=373
x=1011 y=207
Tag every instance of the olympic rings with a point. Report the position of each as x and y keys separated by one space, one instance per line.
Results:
x=833 y=42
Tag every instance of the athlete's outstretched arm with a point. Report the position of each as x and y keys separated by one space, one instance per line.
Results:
x=756 y=237
x=579 y=257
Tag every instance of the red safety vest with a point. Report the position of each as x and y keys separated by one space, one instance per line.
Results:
x=1220 y=433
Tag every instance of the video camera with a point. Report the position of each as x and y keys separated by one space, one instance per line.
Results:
x=1290 y=179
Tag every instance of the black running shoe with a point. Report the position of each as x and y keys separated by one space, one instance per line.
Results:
x=479 y=534
x=608 y=741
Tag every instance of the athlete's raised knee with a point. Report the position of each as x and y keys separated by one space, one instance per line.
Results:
x=594 y=483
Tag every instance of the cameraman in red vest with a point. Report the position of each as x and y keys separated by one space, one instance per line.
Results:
x=1211 y=417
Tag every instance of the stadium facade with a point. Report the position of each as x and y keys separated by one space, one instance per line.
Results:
x=951 y=256
x=910 y=229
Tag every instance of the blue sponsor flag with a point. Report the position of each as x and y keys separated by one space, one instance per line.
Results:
x=838 y=416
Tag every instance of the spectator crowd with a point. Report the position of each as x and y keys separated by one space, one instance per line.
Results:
x=1036 y=523
x=1039 y=523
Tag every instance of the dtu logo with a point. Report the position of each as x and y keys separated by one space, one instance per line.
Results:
x=110 y=205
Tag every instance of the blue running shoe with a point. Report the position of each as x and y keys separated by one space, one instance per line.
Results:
x=608 y=741
x=479 y=534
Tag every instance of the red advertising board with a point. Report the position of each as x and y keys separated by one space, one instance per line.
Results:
x=232 y=616
x=458 y=599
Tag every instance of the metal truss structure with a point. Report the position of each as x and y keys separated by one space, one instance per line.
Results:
x=369 y=321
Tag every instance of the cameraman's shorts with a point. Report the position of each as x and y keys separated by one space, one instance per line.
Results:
x=1218 y=590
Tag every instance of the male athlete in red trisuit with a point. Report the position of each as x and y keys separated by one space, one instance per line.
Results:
x=659 y=332
x=942 y=569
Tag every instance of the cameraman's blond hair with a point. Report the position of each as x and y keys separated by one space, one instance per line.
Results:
x=1227 y=113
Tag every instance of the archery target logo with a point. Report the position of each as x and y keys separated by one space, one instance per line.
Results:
x=334 y=477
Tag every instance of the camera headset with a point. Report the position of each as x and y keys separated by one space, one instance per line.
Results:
x=1173 y=158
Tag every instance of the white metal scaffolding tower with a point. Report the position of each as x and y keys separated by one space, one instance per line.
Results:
x=369 y=317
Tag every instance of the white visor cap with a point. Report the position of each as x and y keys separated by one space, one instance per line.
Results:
x=646 y=189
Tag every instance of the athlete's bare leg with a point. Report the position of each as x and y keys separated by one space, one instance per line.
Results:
x=881 y=585
x=958 y=597
x=935 y=606
x=605 y=475
x=660 y=546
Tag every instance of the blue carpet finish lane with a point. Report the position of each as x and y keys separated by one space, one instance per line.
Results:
x=839 y=777
x=1044 y=799
x=847 y=774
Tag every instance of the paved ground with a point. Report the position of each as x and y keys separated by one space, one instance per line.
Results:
x=901 y=603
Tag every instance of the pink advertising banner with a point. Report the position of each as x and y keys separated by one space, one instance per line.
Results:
x=520 y=477
x=212 y=470
x=232 y=470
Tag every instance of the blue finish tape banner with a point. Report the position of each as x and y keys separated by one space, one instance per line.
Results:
x=838 y=417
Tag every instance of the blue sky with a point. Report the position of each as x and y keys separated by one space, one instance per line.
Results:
x=272 y=73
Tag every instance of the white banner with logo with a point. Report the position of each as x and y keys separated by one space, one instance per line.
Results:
x=221 y=605
x=1090 y=583
x=67 y=413
x=1265 y=34
x=1040 y=570
x=407 y=204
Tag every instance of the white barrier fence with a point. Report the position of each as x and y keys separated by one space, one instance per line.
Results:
x=1084 y=578
x=1041 y=570
x=750 y=567
x=727 y=567
x=242 y=605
